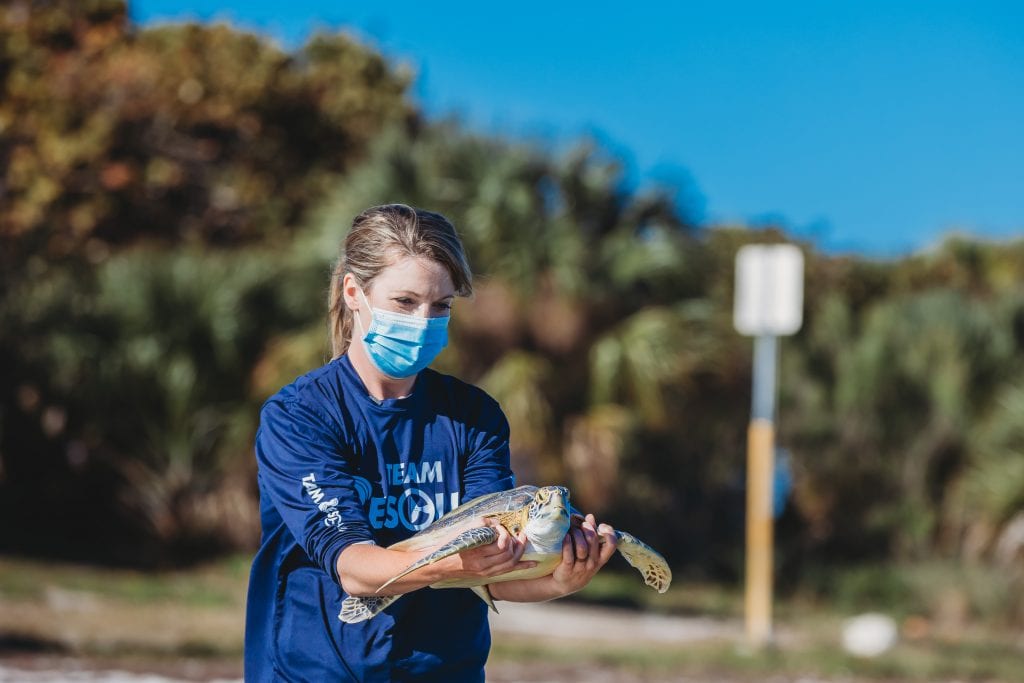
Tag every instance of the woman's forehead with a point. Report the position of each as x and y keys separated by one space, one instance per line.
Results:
x=416 y=274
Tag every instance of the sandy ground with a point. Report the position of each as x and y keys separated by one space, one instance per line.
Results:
x=69 y=670
x=558 y=626
x=548 y=623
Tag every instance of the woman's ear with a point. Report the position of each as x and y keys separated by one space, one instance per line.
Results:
x=350 y=290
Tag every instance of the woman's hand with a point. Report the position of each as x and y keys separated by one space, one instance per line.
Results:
x=496 y=558
x=584 y=551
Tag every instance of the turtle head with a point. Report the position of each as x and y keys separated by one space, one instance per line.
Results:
x=547 y=517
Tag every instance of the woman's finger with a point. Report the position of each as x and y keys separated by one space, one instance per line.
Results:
x=611 y=542
x=504 y=540
x=512 y=559
x=579 y=541
x=589 y=529
x=519 y=546
x=568 y=550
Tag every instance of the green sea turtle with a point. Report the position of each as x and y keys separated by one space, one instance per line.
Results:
x=543 y=513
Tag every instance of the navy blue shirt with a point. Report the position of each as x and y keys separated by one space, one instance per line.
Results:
x=336 y=467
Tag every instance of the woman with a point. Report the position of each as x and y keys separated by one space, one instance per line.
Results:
x=370 y=448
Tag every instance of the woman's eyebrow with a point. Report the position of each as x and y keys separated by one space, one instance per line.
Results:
x=417 y=295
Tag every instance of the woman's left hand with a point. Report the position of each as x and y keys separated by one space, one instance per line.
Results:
x=585 y=550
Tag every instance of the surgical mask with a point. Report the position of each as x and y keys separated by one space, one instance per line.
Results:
x=400 y=345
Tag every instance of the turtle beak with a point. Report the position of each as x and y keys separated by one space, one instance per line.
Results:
x=550 y=524
x=560 y=508
x=557 y=497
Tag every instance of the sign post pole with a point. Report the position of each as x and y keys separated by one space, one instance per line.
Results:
x=760 y=468
x=769 y=303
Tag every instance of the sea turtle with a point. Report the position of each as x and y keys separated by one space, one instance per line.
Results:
x=543 y=513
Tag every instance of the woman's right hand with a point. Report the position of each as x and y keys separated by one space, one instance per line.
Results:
x=493 y=559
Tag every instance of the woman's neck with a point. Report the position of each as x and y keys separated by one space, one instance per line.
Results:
x=377 y=384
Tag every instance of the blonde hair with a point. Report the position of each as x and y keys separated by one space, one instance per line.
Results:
x=379 y=236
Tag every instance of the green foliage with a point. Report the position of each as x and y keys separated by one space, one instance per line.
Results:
x=152 y=368
x=648 y=354
x=178 y=133
x=527 y=218
x=885 y=402
x=520 y=382
x=993 y=484
x=945 y=595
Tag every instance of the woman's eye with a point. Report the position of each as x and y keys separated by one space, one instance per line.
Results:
x=444 y=306
x=404 y=300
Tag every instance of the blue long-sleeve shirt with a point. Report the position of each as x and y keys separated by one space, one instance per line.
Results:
x=336 y=467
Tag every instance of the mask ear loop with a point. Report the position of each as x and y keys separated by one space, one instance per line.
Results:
x=359 y=318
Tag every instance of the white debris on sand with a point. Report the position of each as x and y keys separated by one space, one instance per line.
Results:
x=869 y=635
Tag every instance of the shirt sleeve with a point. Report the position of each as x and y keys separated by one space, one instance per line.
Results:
x=304 y=469
x=488 y=468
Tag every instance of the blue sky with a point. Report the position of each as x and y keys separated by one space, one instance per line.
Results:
x=868 y=127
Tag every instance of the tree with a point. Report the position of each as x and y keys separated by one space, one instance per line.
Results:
x=179 y=133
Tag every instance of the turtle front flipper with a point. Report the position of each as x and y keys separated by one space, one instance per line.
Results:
x=354 y=610
x=470 y=538
x=646 y=559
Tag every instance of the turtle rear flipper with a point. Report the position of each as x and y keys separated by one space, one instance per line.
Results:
x=484 y=593
x=646 y=559
x=354 y=610
x=470 y=538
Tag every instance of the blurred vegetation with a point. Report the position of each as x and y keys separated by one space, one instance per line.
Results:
x=172 y=200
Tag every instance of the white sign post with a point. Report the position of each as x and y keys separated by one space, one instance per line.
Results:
x=768 y=304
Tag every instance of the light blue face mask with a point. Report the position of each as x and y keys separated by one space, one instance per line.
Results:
x=400 y=345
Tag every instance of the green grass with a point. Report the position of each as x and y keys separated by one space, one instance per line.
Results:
x=907 y=662
x=950 y=594
x=211 y=585
x=938 y=590
x=627 y=589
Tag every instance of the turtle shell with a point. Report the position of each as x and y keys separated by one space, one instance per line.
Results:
x=467 y=516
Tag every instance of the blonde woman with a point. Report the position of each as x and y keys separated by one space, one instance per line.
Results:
x=367 y=450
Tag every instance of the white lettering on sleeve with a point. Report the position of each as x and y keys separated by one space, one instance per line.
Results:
x=329 y=508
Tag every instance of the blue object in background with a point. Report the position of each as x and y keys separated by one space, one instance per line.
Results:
x=782 y=481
